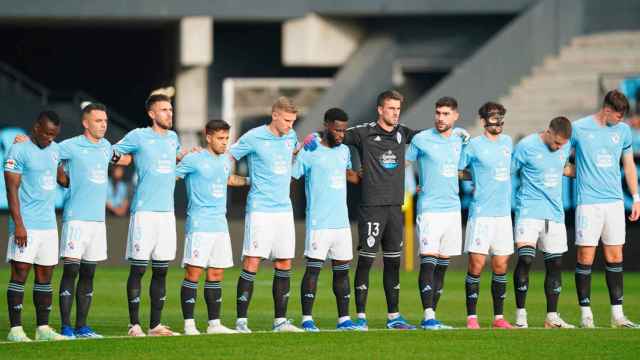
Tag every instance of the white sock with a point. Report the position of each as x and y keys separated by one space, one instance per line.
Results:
x=429 y=314
x=306 y=318
x=241 y=320
x=616 y=312
x=392 y=316
x=521 y=312
x=586 y=312
x=498 y=317
x=43 y=327
x=552 y=315
x=362 y=316
x=342 y=319
x=472 y=317
x=189 y=323
x=214 y=322
x=277 y=321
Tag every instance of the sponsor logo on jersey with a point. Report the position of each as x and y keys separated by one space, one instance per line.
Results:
x=377 y=138
x=389 y=160
x=399 y=137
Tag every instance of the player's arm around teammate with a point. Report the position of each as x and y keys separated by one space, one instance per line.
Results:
x=269 y=224
x=29 y=172
x=207 y=246
x=489 y=230
x=437 y=152
x=539 y=161
x=328 y=233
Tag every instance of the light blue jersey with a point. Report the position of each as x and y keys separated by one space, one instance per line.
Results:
x=86 y=164
x=598 y=152
x=540 y=193
x=206 y=176
x=437 y=158
x=325 y=173
x=37 y=194
x=154 y=156
x=490 y=165
x=269 y=158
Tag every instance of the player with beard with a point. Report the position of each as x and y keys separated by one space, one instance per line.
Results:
x=437 y=153
x=326 y=170
x=381 y=147
x=152 y=227
x=488 y=160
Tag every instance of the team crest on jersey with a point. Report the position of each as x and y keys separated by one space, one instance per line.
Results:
x=55 y=157
x=173 y=143
x=10 y=164
x=371 y=241
x=314 y=245
x=377 y=138
x=71 y=245
x=615 y=138
x=195 y=254
x=289 y=144
x=399 y=137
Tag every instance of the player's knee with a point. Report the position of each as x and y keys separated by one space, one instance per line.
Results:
x=43 y=274
x=251 y=263
x=215 y=274
x=612 y=254
x=282 y=264
x=136 y=271
x=19 y=273
x=585 y=255
x=192 y=273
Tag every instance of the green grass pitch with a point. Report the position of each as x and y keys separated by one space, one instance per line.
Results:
x=109 y=317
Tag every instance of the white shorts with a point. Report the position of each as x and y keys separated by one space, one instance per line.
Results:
x=269 y=235
x=152 y=235
x=41 y=249
x=84 y=240
x=334 y=244
x=549 y=236
x=440 y=233
x=489 y=235
x=600 y=221
x=208 y=250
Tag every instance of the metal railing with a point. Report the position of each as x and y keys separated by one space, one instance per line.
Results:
x=20 y=81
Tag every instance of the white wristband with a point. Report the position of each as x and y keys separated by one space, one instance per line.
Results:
x=636 y=198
